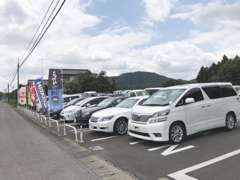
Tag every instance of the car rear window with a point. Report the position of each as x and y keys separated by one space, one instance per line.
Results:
x=227 y=91
x=215 y=92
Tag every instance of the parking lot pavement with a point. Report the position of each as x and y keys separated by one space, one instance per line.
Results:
x=26 y=153
x=208 y=155
x=153 y=160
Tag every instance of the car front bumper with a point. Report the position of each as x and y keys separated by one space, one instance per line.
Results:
x=106 y=126
x=152 y=132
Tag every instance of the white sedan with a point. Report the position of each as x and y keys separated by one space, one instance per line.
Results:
x=115 y=119
x=69 y=113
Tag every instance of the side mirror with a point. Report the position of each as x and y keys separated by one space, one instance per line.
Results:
x=88 y=105
x=189 y=100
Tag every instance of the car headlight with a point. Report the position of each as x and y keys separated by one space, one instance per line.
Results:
x=159 y=117
x=107 y=118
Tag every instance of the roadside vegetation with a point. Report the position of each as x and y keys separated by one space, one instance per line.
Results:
x=90 y=82
x=226 y=70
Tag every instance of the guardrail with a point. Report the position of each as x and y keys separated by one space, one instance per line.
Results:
x=47 y=122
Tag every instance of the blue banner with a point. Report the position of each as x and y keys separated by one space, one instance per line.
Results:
x=55 y=90
x=41 y=95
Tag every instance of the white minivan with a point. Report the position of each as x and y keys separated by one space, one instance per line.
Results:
x=175 y=112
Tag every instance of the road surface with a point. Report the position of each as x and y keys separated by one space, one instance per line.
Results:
x=26 y=153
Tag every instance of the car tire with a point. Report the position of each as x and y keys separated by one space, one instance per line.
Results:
x=121 y=127
x=230 y=121
x=177 y=133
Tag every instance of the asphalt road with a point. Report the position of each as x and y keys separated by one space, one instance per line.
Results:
x=26 y=153
x=211 y=155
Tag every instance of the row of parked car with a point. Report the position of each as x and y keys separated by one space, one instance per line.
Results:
x=169 y=114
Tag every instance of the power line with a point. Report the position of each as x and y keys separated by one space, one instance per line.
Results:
x=39 y=26
x=45 y=30
x=40 y=35
x=31 y=42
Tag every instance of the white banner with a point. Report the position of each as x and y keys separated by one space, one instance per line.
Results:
x=22 y=96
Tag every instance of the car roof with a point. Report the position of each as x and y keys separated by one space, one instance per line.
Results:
x=138 y=97
x=154 y=88
x=188 y=86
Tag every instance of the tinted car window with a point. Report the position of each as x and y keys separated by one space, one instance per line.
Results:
x=194 y=93
x=213 y=92
x=97 y=100
x=117 y=101
x=132 y=94
x=227 y=91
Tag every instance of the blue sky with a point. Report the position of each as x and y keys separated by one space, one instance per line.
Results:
x=170 y=37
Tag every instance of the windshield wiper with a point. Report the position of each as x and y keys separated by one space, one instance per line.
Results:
x=151 y=104
x=156 y=104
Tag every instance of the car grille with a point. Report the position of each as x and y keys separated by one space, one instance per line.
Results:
x=140 y=118
x=94 y=119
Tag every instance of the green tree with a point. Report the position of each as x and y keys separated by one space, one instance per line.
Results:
x=226 y=70
x=90 y=82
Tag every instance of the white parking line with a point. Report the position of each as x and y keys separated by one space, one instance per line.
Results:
x=172 y=149
x=135 y=142
x=182 y=174
x=157 y=148
x=101 y=139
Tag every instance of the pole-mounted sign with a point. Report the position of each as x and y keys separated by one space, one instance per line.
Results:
x=41 y=95
x=55 y=90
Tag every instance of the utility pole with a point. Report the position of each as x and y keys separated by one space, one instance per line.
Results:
x=8 y=93
x=18 y=68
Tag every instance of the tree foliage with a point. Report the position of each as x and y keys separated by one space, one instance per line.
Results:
x=226 y=70
x=90 y=82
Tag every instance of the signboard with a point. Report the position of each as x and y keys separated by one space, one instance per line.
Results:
x=41 y=95
x=55 y=90
x=22 y=96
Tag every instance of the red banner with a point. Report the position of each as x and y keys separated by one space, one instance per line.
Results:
x=32 y=92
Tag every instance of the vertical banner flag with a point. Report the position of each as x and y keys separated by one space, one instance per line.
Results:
x=41 y=95
x=32 y=95
x=55 y=90
x=22 y=96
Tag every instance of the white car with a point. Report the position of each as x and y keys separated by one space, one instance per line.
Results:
x=175 y=112
x=237 y=88
x=114 y=119
x=153 y=90
x=137 y=92
x=69 y=113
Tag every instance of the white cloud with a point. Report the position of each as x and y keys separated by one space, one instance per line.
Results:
x=211 y=14
x=178 y=59
x=116 y=49
x=158 y=10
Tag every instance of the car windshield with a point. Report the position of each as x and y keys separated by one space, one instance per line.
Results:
x=106 y=102
x=80 y=103
x=163 y=97
x=127 y=103
x=74 y=101
x=152 y=91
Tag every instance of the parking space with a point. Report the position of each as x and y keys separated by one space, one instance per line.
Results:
x=153 y=160
x=206 y=155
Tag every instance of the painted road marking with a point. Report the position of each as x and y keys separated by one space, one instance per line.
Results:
x=135 y=142
x=101 y=139
x=158 y=148
x=172 y=149
x=96 y=148
x=182 y=174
